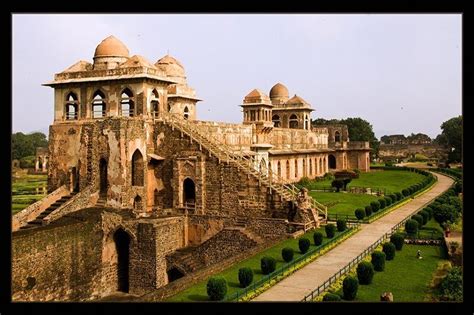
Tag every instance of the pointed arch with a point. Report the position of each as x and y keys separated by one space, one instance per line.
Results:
x=293 y=121
x=137 y=168
x=276 y=121
x=154 y=103
x=72 y=106
x=99 y=105
x=127 y=104
x=279 y=169
x=296 y=168
x=337 y=136
x=287 y=169
x=186 y=112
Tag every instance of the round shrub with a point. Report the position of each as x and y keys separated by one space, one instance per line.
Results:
x=378 y=260
x=330 y=230
x=405 y=192
x=394 y=197
x=382 y=203
x=411 y=227
x=425 y=215
x=418 y=218
x=341 y=225
x=349 y=288
x=331 y=297
x=399 y=195
x=375 y=206
x=318 y=238
x=388 y=200
x=365 y=272
x=245 y=276
x=445 y=213
x=429 y=210
x=389 y=250
x=287 y=254
x=267 y=265
x=360 y=213
x=216 y=288
x=303 y=244
x=368 y=211
x=398 y=239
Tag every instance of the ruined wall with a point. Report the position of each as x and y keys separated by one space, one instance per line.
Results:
x=237 y=136
x=408 y=150
x=285 y=138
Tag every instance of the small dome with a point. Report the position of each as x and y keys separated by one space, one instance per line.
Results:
x=257 y=96
x=279 y=90
x=171 y=66
x=111 y=47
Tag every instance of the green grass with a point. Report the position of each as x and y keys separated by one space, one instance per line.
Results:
x=407 y=277
x=343 y=203
x=198 y=291
x=26 y=190
x=431 y=229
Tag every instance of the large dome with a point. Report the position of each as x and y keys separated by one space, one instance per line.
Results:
x=279 y=91
x=111 y=47
x=171 y=66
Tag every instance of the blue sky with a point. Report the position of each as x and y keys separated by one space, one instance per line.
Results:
x=402 y=73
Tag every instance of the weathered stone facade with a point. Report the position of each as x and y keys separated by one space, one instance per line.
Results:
x=125 y=143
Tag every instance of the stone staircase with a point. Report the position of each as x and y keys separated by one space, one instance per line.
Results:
x=185 y=259
x=38 y=221
x=101 y=201
x=287 y=192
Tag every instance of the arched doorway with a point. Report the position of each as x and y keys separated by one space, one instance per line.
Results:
x=137 y=168
x=332 y=161
x=103 y=176
x=189 y=192
x=137 y=203
x=122 y=245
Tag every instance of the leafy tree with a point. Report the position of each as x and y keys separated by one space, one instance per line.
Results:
x=451 y=137
x=25 y=145
x=451 y=286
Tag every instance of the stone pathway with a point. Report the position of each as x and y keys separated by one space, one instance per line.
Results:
x=305 y=280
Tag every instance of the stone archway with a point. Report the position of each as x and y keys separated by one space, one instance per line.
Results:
x=189 y=192
x=122 y=246
x=103 y=176
x=332 y=161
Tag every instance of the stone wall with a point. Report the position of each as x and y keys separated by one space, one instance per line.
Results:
x=403 y=151
x=285 y=138
x=237 y=136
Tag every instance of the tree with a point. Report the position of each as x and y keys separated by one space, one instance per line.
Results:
x=338 y=184
x=25 y=145
x=451 y=137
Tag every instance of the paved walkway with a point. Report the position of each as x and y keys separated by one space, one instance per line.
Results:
x=305 y=280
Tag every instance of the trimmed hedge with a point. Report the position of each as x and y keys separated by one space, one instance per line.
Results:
x=303 y=244
x=349 y=288
x=331 y=297
x=418 y=218
x=245 y=276
x=267 y=265
x=388 y=200
x=368 y=211
x=365 y=272
x=389 y=250
x=330 y=230
x=378 y=260
x=318 y=238
x=287 y=254
x=398 y=239
x=375 y=205
x=399 y=196
x=382 y=203
x=216 y=288
x=394 y=197
x=425 y=215
x=341 y=225
x=411 y=227
x=360 y=213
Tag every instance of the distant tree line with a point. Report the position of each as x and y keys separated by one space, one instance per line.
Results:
x=24 y=147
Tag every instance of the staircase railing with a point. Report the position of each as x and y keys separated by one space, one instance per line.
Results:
x=223 y=152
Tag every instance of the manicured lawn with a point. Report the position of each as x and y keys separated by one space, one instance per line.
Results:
x=431 y=229
x=198 y=291
x=26 y=190
x=407 y=277
x=343 y=203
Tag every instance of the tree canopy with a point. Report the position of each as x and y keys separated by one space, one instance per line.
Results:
x=24 y=145
x=451 y=137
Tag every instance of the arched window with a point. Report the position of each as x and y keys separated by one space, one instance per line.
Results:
x=279 y=169
x=287 y=169
x=154 y=104
x=276 y=120
x=71 y=106
x=321 y=165
x=137 y=168
x=293 y=121
x=126 y=103
x=296 y=168
x=310 y=167
x=304 y=167
x=98 y=105
x=332 y=161
x=337 y=136
x=137 y=203
x=186 y=112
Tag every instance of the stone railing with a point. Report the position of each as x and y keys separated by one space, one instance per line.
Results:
x=32 y=211
x=108 y=72
x=86 y=198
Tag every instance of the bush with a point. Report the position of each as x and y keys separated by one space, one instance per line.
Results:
x=445 y=213
x=303 y=244
x=331 y=297
x=341 y=225
x=28 y=161
x=216 y=288
x=368 y=211
x=267 y=265
x=365 y=272
x=304 y=181
x=330 y=230
x=349 y=288
x=429 y=210
x=245 y=276
x=394 y=197
x=425 y=215
x=451 y=286
x=406 y=192
x=389 y=250
x=338 y=184
x=399 y=195
x=418 y=218
x=378 y=260
x=398 y=239
x=360 y=214
x=382 y=203
x=455 y=202
x=287 y=254
x=388 y=200
x=375 y=206
x=411 y=227
x=318 y=238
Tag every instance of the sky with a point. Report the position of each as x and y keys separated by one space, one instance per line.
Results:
x=402 y=73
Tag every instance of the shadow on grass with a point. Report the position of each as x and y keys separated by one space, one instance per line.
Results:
x=198 y=297
x=233 y=284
